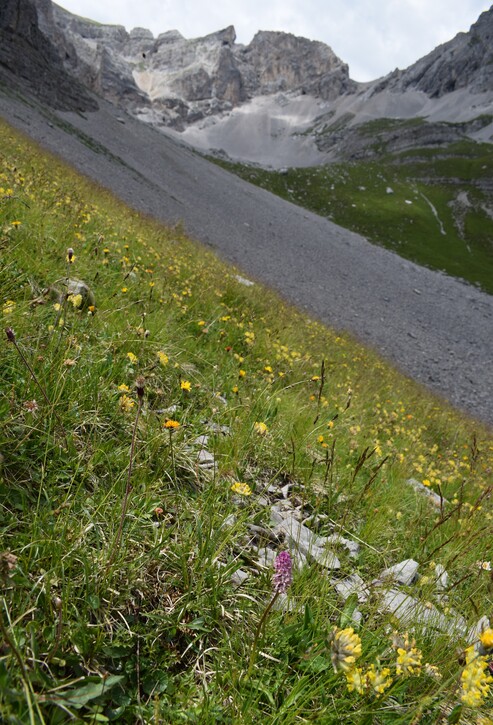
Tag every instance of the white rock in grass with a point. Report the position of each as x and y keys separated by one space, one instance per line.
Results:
x=410 y=611
x=205 y=459
x=404 y=573
x=474 y=632
x=244 y=281
x=433 y=497
x=441 y=577
x=266 y=556
x=301 y=538
x=352 y=546
x=239 y=576
x=352 y=584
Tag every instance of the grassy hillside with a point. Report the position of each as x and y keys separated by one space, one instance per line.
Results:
x=433 y=206
x=145 y=435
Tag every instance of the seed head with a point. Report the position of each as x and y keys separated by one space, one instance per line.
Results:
x=140 y=385
x=10 y=334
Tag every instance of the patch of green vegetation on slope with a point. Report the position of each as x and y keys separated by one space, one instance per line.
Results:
x=122 y=556
x=433 y=206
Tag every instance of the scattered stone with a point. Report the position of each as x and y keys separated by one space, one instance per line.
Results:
x=244 y=281
x=266 y=556
x=352 y=546
x=261 y=532
x=229 y=520
x=474 y=632
x=223 y=429
x=201 y=441
x=442 y=577
x=301 y=538
x=409 y=611
x=205 y=459
x=404 y=573
x=239 y=576
x=433 y=497
x=389 y=190
x=352 y=584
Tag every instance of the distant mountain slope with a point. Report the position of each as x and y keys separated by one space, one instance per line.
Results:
x=464 y=62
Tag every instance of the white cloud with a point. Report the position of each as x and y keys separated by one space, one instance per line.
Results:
x=372 y=36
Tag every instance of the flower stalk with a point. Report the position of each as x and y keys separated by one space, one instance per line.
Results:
x=139 y=384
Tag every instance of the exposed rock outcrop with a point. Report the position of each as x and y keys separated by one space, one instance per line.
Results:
x=465 y=61
x=174 y=81
x=29 y=60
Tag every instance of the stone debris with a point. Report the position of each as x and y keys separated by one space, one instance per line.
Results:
x=245 y=282
x=411 y=611
x=433 y=497
x=442 y=577
x=406 y=572
x=205 y=459
x=352 y=584
x=288 y=526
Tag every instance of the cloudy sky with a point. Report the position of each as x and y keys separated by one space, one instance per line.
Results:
x=372 y=36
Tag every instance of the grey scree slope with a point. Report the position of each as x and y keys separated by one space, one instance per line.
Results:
x=435 y=328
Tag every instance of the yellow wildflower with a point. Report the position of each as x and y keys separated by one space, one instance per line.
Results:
x=408 y=661
x=76 y=300
x=486 y=638
x=123 y=388
x=126 y=404
x=163 y=358
x=133 y=358
x=8 y=307
x=241 y=488
x=379 y=680
x=171 y=424
x=241 y=373
x=260 y=428
x=475 y=679
x=355 y=680
x=346 y=648
x=186 y=385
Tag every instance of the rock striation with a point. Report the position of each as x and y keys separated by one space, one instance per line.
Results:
x=466 y=61
x=29 y=59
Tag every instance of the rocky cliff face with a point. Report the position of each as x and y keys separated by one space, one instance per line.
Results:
x=464 y=62
x=174 y=81
x=30 y=61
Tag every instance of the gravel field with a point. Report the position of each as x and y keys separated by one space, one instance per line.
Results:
x=436 y=329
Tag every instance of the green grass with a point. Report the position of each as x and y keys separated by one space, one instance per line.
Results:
x=149 y=627
x=354 y=195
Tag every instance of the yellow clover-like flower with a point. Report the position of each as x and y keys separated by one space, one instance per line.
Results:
x=242 y=488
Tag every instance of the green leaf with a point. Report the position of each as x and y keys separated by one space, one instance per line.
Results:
x=94 y=688
x=455 y=715
x=348 y=611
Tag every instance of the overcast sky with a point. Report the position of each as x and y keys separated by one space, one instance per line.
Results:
x=372 y=36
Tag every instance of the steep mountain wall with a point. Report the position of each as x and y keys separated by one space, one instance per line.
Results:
x=29 y=60
x=175 y=81
x=464 y=62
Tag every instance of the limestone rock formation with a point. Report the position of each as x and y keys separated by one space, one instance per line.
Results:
x=466 y=61
x=173 y=81
x=29 y=60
